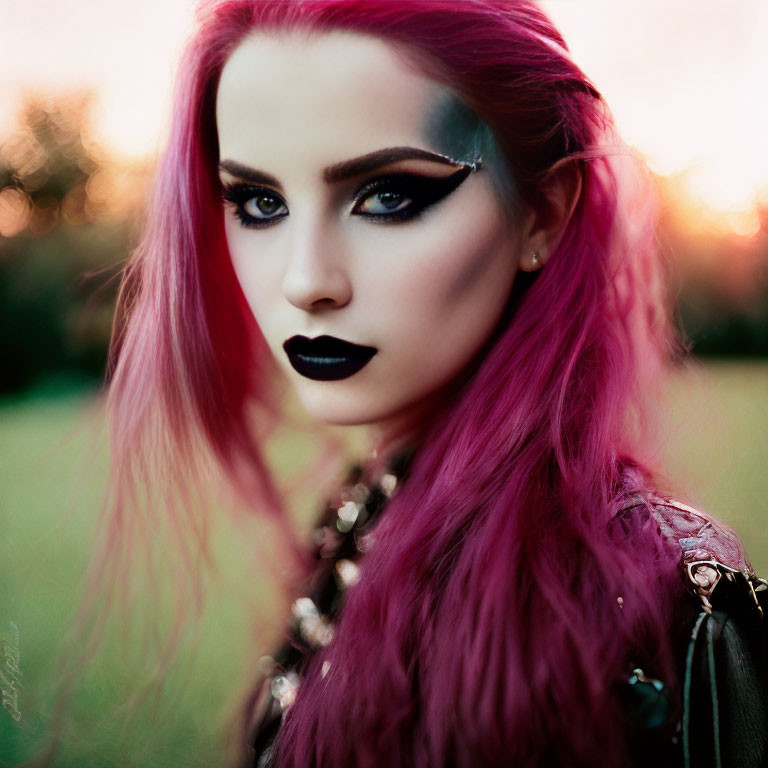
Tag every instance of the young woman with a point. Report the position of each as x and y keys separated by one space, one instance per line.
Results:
x=421 y=213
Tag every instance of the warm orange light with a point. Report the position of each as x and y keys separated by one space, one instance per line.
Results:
x=15 y=211
x=744 y=223
x=684 y=79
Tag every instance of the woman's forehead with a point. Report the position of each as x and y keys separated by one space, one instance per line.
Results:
x=322 y=98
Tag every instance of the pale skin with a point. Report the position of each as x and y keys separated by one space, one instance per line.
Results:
x=426 y=292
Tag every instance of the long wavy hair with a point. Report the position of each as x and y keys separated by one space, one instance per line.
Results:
x=485 y=628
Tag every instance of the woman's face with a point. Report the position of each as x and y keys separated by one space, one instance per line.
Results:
x=354 y=212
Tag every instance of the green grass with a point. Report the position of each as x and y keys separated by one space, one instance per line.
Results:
x=718 y=454
x=53 y=470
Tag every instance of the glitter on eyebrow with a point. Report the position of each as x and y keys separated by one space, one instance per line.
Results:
x=380 y=158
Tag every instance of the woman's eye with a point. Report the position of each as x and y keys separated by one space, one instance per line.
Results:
x=404 y=196
x=384 y=202
x=254 y=206
x=264 y=205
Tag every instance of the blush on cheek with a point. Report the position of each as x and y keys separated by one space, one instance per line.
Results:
x=476 y=269
x=476 y=260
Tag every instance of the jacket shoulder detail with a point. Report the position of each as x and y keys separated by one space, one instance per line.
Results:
x=710 y=550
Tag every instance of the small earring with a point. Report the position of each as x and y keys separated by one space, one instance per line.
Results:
x=534 y=259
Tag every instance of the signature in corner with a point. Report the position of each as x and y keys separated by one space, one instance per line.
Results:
x=10 y=674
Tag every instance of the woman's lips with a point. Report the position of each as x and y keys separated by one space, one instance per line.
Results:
x=326 y=358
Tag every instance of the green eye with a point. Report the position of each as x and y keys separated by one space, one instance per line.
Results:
x=263 y=206
x=255 y=206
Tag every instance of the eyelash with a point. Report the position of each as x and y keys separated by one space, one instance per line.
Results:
x=239 y=194
x=422 y=192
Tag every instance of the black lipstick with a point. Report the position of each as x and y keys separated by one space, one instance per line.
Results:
x=326 y=358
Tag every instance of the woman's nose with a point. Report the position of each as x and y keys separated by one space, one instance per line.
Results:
x=316 y=276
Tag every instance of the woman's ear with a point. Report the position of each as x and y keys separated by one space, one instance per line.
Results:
x=543 y=226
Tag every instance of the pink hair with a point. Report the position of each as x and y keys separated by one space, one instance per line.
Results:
x=485 y=629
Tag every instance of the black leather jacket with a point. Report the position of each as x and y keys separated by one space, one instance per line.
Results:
x=722 y=718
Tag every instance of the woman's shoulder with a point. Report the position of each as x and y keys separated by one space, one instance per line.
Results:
x=709 y=549
x=724 y=660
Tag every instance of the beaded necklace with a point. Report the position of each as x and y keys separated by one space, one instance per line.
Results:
x=343 y=535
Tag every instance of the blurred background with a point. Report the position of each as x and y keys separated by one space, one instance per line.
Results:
x=84 y=101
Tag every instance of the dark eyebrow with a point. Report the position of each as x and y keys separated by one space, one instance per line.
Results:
x=374 y=160
x=345 y=170
x=247 y=173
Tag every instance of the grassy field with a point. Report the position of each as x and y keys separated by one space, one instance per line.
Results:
x=53 y=468
x=718 y=452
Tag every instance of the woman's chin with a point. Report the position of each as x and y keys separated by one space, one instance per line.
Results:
x=344 y=409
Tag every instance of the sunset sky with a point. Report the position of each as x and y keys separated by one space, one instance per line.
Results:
x=685 y=79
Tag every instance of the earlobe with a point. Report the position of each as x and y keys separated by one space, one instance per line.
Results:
x=532 y=260
x=532 y=254
x=544 y=227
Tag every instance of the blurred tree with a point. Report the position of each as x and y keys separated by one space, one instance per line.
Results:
x=63 y=238
x=720 y=260
x=720 y=329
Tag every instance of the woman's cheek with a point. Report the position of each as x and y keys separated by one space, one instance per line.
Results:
x=441 y=279
x=259 y=276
